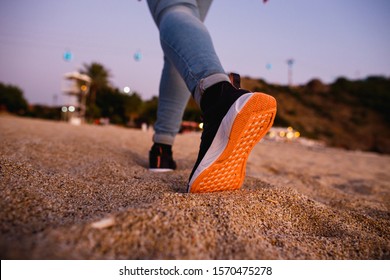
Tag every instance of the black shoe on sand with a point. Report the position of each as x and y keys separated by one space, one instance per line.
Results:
x=160 y=158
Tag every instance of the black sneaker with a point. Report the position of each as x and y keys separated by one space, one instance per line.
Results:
x=234 y=122
x=160 y=158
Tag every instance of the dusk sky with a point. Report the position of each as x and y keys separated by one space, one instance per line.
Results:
x=326 y=38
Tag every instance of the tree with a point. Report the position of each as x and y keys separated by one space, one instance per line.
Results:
x=12 y=99
x=100 y=81
x=98 y=73
x=132 y=105
x=148 y=112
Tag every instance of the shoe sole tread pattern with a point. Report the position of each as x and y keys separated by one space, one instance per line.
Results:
x=249 y=126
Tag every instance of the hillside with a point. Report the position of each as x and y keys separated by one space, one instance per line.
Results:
x=349 y=114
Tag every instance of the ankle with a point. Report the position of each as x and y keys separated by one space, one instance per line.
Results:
x=162 y=147
x=212 y=95
x=206 y=83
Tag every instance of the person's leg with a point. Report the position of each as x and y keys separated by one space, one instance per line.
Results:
x=173 y=98
x=173 y=93
x=186 y=42
x=235 y=119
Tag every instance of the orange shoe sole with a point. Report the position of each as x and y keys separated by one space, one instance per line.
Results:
x=251 y=124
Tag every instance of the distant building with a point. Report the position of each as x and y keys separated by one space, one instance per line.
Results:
x=77 y=89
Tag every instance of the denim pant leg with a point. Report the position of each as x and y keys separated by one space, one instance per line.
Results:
x=188 y=45
x=172 y=101
x=189 y=50
x=157 y=7
x=186 y=41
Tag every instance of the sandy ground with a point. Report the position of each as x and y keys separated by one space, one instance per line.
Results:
x=84 y=192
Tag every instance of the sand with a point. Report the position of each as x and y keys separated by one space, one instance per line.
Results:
x=84 y=192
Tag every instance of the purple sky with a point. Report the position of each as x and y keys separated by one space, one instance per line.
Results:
x=326 y=39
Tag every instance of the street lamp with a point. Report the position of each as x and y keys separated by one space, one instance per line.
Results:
x=126 y=90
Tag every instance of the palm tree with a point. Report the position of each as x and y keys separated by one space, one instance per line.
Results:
x=100 y=79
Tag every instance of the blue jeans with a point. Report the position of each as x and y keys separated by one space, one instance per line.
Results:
x=190 y=62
